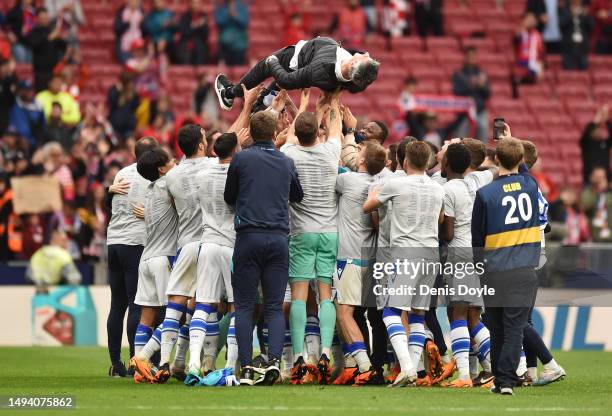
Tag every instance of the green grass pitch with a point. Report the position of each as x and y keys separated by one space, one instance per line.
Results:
x=81 y=372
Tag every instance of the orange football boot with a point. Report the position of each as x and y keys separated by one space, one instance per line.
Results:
x=143 y=368
x=347 y=376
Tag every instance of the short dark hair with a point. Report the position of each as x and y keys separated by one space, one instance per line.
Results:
x=477 y=149
x=384 y=132
x=509 y=152
x=262 y=126
x=56 y=104
x=189 y=138
x=375 y=158
x=401 y=149
x=143 y=145
x=531 y=153
x=306 y=128
x=417 y=154
x=225 y=144
x=458 y=158
x=150 y=161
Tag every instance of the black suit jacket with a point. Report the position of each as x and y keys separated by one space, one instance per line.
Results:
x=316 y=68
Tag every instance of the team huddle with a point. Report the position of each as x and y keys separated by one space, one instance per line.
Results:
x=352 y=204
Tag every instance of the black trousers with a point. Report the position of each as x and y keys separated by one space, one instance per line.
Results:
x=123 y=263
x=260 y=72
x=533 y=344
x=429 y=21
x=507 y=314
x=260 y=257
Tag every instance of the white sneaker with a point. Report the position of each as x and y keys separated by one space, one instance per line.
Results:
x=550 y=376
x=404 y=379
x=507 y=391
x=220 y=83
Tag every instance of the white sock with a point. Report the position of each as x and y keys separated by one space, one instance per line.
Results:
x=197 y=334
x=287 y=356
x=532 y=372
x=349 y=360
x=232 y=345
x=522 y=367
x=182 y=345
x=336 y=351
x=421 y=364
x=360 y=354
x=312 y=339
x=174 y=312
x=398 y=338
x=416 y=339
x=152 y=346
x=473 y=361
x=482 y=338
x=460 y=344
x=211 y=341
x=551 y=365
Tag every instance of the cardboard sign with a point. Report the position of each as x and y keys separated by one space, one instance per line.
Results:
x=36 y=194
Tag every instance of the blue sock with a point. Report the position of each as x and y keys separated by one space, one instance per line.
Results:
x=143 y=334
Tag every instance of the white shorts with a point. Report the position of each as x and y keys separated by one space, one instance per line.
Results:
x=153 y=276
x=411 y=292
x=183 y=276
x=350 y=281
x=214 y=273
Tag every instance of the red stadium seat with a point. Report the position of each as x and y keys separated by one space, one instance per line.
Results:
x=404 y=45
x=568 y=91
x=602 y=77
x=573 y=77
x=466 y=27
x=441 y=43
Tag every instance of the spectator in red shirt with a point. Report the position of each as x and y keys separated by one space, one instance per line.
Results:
x=296 y=21
x=529 y=54
x=350 y=25
x=547 y=186
x=602 y=38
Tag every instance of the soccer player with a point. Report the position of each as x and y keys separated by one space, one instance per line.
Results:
x=314 y=232
x=126 y=237
x=417 y=210
x=505 y=225
x=456 y=232
x=474 y=179
x=161 y=222
x=356 y=255
x=181 y=287
x=215 y=257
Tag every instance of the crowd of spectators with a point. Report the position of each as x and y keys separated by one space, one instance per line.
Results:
x=45 y=128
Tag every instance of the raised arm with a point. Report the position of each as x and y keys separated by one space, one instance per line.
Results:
x=335 y=118
x=250 y=96
x=304 y=100
x=350 y=150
